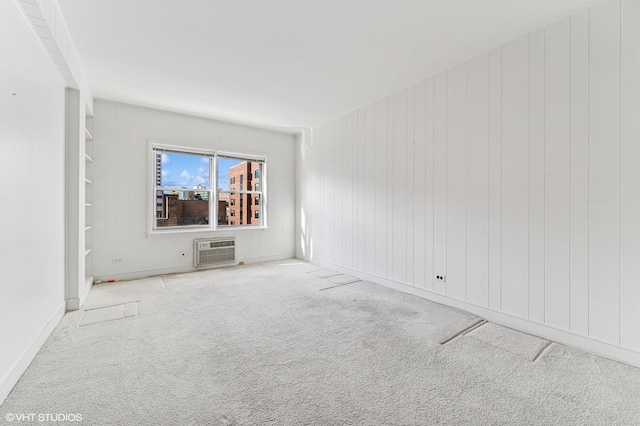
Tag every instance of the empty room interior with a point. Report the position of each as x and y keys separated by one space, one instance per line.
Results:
x=304 y=212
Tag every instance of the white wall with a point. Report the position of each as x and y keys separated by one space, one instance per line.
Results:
x=121 y=191
x=32 y=214
x=515 y=174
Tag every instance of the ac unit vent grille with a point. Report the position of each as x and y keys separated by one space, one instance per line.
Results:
x=212 y=252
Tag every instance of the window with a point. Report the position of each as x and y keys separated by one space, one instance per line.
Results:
x=238 y=169
x=182 y=191
x=257 y=187
x=187 y=192
x=257 y=173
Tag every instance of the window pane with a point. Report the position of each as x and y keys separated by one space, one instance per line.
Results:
x=225 y=208
x=189 y=171
x=182 y=208
x=236 y=174
x=244 y=209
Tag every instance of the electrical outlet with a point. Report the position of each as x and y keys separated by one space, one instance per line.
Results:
x=183 y=254
x=441 y=278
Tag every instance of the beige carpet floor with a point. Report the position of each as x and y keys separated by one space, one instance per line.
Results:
x=289 y=343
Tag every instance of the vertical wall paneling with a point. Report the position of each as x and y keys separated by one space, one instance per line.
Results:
x=363 y=189
x=513 y=174
x=328 y=166
x=421 y=193
x=457 y=182
x=495 y=178
x=429 y=164
x=391 y=185
x=515 y=177
x=604 y=171
x=338 y=192
x=630 y=174
x=399 y=186
x=319 y=238
x=348 y=210
x=558 y=173
x=313 y=208
x=579 y=260
x=381 y=187
x=478 y=180
x=371 y=183
x=326 y=206
x=410 y=187
x=537 y=173
x=352 y=191
x=440 y=180
x=326 y=183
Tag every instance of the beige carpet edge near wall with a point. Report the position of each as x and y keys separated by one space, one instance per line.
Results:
x=290 y=343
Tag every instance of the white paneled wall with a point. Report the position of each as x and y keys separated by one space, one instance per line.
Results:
x=516 y=174
x=121 y=192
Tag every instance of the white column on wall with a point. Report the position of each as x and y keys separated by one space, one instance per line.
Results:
x=74 y=199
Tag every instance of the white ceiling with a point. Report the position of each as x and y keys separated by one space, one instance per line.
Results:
x=284 y=62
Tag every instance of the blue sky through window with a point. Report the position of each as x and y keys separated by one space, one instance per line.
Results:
x=224 y=164
x=189 y=170
x=185 y=170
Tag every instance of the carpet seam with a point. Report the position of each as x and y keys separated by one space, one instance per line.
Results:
x=464 y=331
x=542 y=351
x=110 y=306
x=109 y=320
x=340 y=285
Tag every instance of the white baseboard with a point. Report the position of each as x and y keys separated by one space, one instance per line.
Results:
x=588 y=344
x=72 y=304
x=24 y=360
x=259 y=259
x=136 y=275
x=76 y=303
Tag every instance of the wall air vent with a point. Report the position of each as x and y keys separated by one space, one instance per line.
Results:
x=214 y=251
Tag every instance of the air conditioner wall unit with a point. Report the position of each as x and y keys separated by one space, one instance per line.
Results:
x=210 y=252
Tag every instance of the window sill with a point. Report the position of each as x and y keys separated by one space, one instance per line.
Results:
x=204 y=231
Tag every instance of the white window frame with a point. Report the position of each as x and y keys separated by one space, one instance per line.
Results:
x=262 y=193
x=153 y=229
